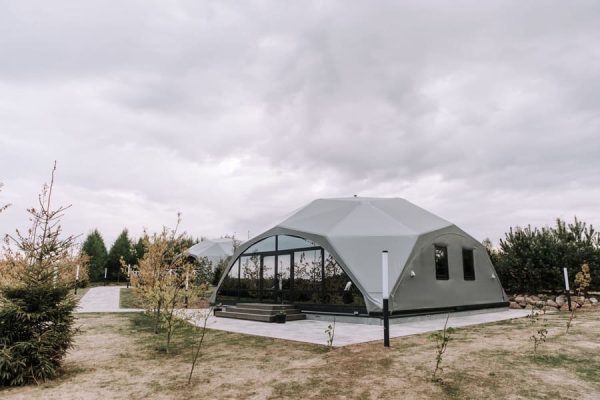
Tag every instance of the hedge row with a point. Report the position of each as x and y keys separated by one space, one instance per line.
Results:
x=531 y=260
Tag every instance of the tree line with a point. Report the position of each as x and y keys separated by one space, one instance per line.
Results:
x=531 y=259
x=123 y=250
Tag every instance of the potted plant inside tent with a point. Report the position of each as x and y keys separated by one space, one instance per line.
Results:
x=280 y=317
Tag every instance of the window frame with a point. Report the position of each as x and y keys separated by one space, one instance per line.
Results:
x=470 y=277
x=438 y=275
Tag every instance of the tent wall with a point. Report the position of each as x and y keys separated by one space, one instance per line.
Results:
x=424 y=291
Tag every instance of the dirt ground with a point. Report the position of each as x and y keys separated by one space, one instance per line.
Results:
x=118 y=357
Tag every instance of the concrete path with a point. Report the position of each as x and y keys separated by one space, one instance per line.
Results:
x=311 y=331
x=102 y=299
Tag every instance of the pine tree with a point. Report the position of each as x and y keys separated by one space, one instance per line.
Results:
x=36 y=311
x=95 y=249
x=140 y=250
x=121 y=248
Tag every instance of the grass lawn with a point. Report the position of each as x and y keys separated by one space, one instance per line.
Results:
x=118 y=357
x=128 y=299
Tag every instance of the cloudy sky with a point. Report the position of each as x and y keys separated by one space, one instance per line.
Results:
x=236 y=113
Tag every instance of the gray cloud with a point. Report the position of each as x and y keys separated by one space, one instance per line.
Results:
x=236 y=113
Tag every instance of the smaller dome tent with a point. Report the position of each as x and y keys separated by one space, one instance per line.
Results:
x=214 y=250
x=433 y=264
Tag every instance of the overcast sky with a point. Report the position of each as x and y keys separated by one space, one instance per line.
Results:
x=236 y=113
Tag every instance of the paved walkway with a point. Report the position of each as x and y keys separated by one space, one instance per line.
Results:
x=102 y=299
x=311 y=331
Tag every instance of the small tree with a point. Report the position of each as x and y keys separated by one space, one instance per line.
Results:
x=165 y=278
x=199 y=347
x=442 y=338
x=540 y=331
x=582 y=280
x=330 y=331
x=36 y=310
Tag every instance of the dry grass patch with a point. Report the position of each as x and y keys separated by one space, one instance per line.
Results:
x=119 y=357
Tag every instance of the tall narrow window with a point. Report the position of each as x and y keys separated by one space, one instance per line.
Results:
x=441 y=263
x=468 y=264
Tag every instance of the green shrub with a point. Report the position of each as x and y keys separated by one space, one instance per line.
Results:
x=36 y=331
x=532 y=259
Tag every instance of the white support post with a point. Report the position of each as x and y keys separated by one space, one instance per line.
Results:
x=567 y=288
x=76 y=278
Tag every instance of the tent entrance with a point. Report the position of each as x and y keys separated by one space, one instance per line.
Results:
x=276 y=278
x=289 y=270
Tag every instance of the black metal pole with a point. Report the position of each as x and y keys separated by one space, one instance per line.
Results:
x=569 y=298
x=386 y=324
x=76 y=285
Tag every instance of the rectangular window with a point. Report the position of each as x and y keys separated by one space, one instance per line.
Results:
x=441 y=263
x=468 y=264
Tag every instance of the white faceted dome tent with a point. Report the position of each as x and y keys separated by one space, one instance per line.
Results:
x=214 y=250
x=433 y=264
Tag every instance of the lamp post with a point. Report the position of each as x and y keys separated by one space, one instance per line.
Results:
x=128 y=274
x=105 y=275
x=187 y=286
x=567 y=288
x=76 y=278
x=385 y=292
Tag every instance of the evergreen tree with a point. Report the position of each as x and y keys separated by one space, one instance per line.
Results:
x=140 y=250
x=95 y=249
x=36 y=309
x=121 y=248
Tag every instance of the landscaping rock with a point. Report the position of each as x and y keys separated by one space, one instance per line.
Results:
x=514 y=305
x=532 y=299
x=593 y=300
x=552 y=303
x=520 y=299
x=560 y=300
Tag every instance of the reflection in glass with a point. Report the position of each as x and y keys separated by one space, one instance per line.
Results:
x=441 y=263
x=307 y=276
x=267 y=244
x=250 y=268
x=300 y=271
x=268 y=272
x=339 y=288
x=229 y=287
x=285 y=242
x=284 y=271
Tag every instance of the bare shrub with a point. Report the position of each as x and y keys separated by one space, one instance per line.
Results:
x=330 y=331
x=442 y=338
x=200 y=341
x=540 y=333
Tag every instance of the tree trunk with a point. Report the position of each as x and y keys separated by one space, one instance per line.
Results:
x=157 y=318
